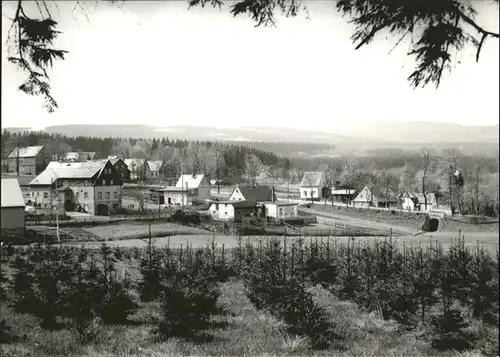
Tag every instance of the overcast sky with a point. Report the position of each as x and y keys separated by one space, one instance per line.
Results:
x=158 y=63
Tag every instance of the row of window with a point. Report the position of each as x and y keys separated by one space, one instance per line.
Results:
x=108 y=195
x=85 y=195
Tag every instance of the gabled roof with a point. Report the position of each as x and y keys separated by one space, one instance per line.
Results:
x=69 y=170
x=29 y=151
x=11 y=193
x=190 y=181
x=131 y=162
x=155 y=165
x=89 y=154
x=256 y=194
x=311 y=179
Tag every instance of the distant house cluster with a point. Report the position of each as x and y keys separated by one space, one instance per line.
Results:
x=313 y=188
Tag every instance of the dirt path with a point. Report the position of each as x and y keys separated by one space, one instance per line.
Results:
x=359 y=222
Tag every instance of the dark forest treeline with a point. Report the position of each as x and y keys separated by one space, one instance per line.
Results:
x=234 y=161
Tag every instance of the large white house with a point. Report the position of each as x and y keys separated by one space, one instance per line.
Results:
x=311 y=186
x=13 y=215
x=91 y=186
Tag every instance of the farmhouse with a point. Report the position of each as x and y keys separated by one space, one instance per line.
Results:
x=90 y=186
x=30 y=160
x=13 y=215
x=376 y=197
x=139 y=170
x=232 y=210
x=311 y=186
x=344 y=196
x=255 y=195
x=280 y=210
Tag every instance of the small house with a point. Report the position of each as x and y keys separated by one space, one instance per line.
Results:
x=256 y=195
x=377 y=198
x=232 y=210
x=155 y=167
x=311 y=186
x=30 y=160
x=280 y=210
x=198 y=186
x=409 y=201
x=139 y=170
x=13 y=215
x=431 y=201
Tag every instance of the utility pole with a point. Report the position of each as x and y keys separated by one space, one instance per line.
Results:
x=451 y=191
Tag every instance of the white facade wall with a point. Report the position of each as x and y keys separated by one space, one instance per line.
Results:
x=108 y=195
x=281 y=211
x=222 y=211
x=408 y=204
x=237 y=195
x=41 y=195
x=305 y=192
x=178 y=198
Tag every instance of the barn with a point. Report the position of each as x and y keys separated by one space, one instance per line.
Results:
x=13 y=214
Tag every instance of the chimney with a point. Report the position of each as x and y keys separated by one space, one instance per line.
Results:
x=273 y=198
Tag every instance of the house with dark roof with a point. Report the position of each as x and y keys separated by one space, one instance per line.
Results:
x=376 y=197
x=89 y=186
x=30 y=160
x=311 y=186
x=255 y=195
x=12 y=210
x=342 y=195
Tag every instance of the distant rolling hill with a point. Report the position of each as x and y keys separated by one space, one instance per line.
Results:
x=362 y=137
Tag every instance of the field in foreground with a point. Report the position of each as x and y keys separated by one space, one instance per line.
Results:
x=311 y=298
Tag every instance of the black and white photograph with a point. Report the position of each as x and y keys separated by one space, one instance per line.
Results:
x=250 y=178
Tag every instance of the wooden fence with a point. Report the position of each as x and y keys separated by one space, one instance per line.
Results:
x=102 y=220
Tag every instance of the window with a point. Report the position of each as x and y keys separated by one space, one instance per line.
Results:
x=77 y=183
x=78 y=195
x=104 y=182
x=99 y=195
x=111 y=182
x=225 y=204
x=45 y=195
x=281 y=212
x=85 y=183
x=38 y=194
x=115 y=195
x=108 y=195
x=86 y=195
x=32 y=194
